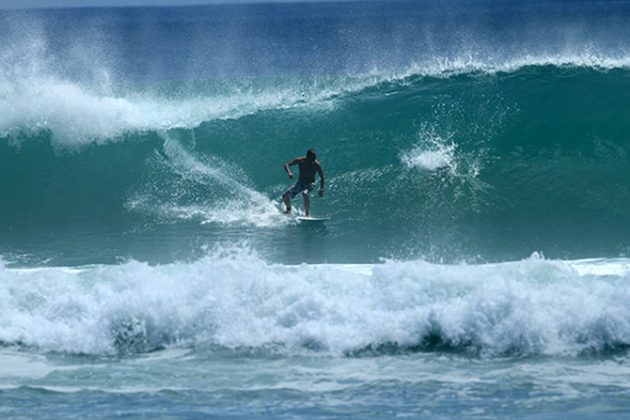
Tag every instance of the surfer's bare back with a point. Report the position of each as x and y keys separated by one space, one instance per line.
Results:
x=308 y=166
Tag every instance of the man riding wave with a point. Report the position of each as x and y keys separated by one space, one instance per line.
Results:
x=308 y=166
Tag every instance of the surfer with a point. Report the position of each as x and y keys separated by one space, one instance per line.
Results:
x=308 y=166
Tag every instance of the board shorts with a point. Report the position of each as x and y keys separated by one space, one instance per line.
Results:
x=300 y=186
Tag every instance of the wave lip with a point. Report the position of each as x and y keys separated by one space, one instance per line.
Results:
x=235 y=300
x=77 y=115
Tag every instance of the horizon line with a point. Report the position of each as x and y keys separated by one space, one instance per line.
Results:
x=165 y=4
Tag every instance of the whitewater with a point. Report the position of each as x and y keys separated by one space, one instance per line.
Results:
x=234 y=299
x=477 y=165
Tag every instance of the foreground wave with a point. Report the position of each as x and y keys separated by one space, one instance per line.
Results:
x=237 y=300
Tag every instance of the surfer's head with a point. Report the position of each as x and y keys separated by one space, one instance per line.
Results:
x=311 y=155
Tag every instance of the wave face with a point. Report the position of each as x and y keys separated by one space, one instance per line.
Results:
x=236 y=300
x=446 y=133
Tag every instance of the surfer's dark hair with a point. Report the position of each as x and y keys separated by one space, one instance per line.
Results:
x=310 y=153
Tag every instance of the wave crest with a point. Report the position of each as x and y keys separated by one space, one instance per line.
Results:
x=77 y=115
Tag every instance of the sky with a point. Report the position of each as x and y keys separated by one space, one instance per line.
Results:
x=30 y=4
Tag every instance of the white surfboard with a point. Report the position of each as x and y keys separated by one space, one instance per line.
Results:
x=304 y=219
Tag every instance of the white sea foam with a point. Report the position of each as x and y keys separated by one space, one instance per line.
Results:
x=236 y=299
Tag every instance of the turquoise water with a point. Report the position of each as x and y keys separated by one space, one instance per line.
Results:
x=475 y=264
x=447 y=167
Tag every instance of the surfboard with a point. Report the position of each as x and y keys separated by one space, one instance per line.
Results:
x=312 y=219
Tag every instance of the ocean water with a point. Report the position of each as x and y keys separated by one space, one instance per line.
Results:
x=477 y=160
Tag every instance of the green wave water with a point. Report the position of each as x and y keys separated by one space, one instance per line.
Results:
x=467 y=164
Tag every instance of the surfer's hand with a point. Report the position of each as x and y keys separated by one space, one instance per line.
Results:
x=321 y=192
x=290 y=175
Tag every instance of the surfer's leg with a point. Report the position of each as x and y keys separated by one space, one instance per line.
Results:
x=287 y=202
x=307 y=204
